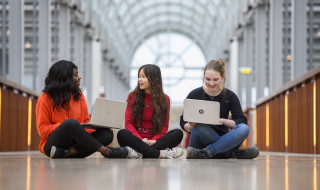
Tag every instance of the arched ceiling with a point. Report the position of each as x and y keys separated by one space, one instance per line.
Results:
x=127 y=23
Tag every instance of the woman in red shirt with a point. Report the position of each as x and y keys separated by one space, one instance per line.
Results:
x=147 y=119
x=61 y=109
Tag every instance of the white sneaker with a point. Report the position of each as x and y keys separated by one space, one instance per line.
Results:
x=133 y=154
x=171 y=153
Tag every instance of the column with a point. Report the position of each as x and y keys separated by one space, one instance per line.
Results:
x=108 y=79
x=276 y=45
x=248 y=62
x=4 y=39
x=260 y=48
x=64 y=32
x=234 y=71
x=103 y=77
x=16 y=41
x=298 y=38
x=241 y=82
x=244 y=80
x=88 y=71
x=44 y=49
x=78 y=48
x=95 y=69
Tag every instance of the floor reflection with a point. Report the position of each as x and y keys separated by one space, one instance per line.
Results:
x=31 y=170
x=315 y=177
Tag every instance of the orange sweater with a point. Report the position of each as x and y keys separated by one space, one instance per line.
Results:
x=48 y=120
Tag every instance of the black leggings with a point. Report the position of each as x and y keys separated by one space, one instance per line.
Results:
x=71 y=133
x=170 y=140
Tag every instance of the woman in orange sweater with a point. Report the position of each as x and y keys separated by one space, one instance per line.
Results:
x=60 y=110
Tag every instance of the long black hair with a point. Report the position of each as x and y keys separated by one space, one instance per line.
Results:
x=59 y=84
x=158 y=99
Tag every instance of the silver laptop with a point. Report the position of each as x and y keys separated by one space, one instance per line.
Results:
x=107 y=114
x=201 y=111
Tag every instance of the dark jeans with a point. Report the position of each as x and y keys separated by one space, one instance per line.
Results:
x=70 y=133
x=170 y=140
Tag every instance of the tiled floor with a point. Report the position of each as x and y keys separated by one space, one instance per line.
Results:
x=31 y=170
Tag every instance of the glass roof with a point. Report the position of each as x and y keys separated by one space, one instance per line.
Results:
x=179 y=59
x=128 y=23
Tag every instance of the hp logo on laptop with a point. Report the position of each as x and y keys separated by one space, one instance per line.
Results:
x=201 y=111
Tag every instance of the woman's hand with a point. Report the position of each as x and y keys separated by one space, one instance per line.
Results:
x=152 y=142
x=145 y=140
x=192 y=125
x=189 y=126
x=149 y=142
x=227 y=122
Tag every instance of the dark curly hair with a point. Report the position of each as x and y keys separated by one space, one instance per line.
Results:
x=158 y=99
x=59 y=84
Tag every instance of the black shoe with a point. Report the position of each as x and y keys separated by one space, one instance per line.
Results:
x=246 y=153
x=58 y=152
x=118 y=152
x=193 y=153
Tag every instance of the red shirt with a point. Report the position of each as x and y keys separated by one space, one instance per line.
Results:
x=145 y=130
x=48 y=120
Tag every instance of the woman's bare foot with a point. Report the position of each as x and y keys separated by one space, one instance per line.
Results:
x=103 y=150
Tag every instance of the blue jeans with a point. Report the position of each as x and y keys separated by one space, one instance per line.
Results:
x=203 y=136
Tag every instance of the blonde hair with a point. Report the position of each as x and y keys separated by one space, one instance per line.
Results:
x=217 y=65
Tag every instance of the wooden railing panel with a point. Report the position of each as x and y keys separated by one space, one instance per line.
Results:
x=277 y=125
x=7 y=127
x=14 y=124
x=35 y=138
x=247 y=142
x=6 y=130
x=293 y=125
x=261 y=127
x=300 y=122
x=22 y=123
x=306 y=123
x=318 y=115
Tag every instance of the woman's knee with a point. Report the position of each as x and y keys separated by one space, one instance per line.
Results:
x=122 y=133
x=70 y=123
x=123 y=136
x=195 y=132
x=200 y=129
x=178 y=133
x=106 y=132
x=107 y=136
x=68 y=126
x=243 y=129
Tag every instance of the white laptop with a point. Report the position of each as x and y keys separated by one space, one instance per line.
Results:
x=201 y=111
x=107 y=114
